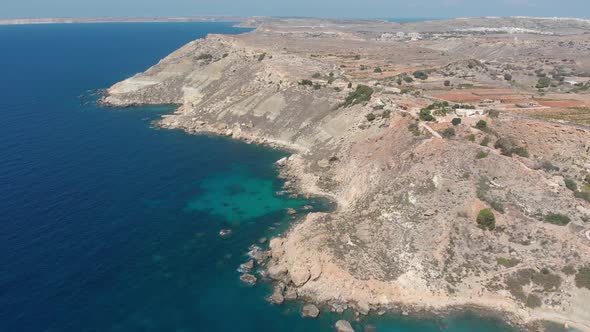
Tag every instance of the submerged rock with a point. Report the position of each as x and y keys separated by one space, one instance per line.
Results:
x=225 y=232
x=247 y=267
x=248 y=279
x=310 y=311
x=276 y=297
x=343 y=326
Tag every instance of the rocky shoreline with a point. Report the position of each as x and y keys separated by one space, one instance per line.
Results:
x=409 y=176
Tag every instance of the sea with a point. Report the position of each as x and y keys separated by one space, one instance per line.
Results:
x=109 y=224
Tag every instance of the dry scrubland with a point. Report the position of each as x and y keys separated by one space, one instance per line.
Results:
x=457 y=153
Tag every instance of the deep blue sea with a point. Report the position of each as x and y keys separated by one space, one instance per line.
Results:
x=107 y=224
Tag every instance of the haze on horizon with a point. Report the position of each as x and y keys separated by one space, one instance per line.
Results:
x=304 y=8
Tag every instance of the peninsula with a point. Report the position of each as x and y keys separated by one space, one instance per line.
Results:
x=457 y=153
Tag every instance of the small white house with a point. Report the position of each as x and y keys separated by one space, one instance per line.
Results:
x=464 y=112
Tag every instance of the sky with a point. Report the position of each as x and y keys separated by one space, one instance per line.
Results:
x=306 y=8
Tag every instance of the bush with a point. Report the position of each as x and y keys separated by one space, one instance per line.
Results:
x=583 y=277
x=414 y=129
x=533 y=301
x=386 y=114
x=205 y=56
x=507 y=262
x=448 y=132
x=485 y=141
x=498 y=206
x=349 y=85
x=420 y=74
x=425 y=115
x=471 y=138
x=408 y=79
x=493 y=113
x=568 y=270
x=543 y=82
x=456 y=121
x=447 y=83
x=360 y=95
x=371 y=116
x=378 y=70
x=481 y=155
x=508 y=77
x=557 y=219
x=571 y=184
x=261 y=56
x=549 y=167
x=306 y=82
x=316 y=75
x=481 y=125
x=508 y=147
x=486 y=219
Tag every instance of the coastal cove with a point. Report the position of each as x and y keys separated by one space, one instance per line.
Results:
x=110 y=224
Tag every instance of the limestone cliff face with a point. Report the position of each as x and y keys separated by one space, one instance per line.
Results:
x=404 y=231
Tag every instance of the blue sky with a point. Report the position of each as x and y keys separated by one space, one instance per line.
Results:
x=320 y=8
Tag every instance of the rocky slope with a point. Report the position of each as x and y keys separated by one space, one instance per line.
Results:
x=404 y=234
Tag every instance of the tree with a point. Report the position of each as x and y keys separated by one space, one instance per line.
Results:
x=362 y=94
x=508 y=77
x=481 y=125
x=543 y=82
x=425 y=115
x=420 y=74
x=378 y=70
x=486 y=219
x=456 y=121
x=448 y=132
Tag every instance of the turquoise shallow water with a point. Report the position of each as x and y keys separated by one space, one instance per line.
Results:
x=107 y=224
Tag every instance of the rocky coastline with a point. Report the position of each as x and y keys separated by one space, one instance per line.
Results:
x=405 y=236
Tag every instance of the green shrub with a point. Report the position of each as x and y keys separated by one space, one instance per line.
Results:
x=378 y=70
x=471 y=138
x=316 y=75
x=306 y=82
x=570 y=184
x=507 y=262
x=414 y=129
x=261 y=56
x=386 y=114
x=533 y=301
x=370 y=116
x=205 y=56
x=583 y=277
x=425 y=115
x=543 y=82
x=557 y=219
x=486 y=219
x=362 y=94
x=498 y=206
x=447 y=83
x=420 y=74
x=448 y=132
x=568 y=270
x=549 y=167
x=456 y=121
x=408 y=79
x=481 y=155
x=508 y=77
x=349 y=85
x=493 y=113
x=481 y=125
x=508 y=147
x=585 y=195
x=485 y=141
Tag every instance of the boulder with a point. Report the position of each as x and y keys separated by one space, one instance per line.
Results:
x=343 y=326
x=299 y=275
x=277 y=272
x=276 y=297
x=225 y=233
x=310 y=311
x=247 y=267
x=291 y=294
x=277 y=247
x=248 y=279
x=291 y=211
